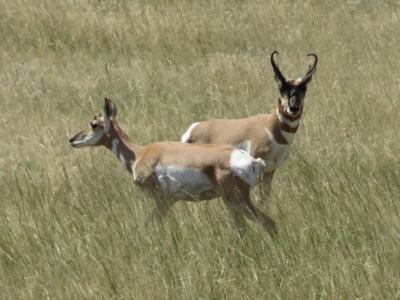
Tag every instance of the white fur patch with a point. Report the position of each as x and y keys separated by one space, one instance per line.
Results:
x=186 y=136
x=123 y=161
x=278 y=153
x=115 y=143
x=282 y=119
x=182 y=183
x=289 y=136
x=245 y=166
x=246 y=146
x=114 y=149
x=134 y=169
x=89 y=139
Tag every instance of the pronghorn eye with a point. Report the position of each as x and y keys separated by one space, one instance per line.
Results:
x=94 y=126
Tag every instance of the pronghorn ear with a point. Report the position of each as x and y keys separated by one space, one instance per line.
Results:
x=110 y=109
x=110 y=112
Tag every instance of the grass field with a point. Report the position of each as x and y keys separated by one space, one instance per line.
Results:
x=71 y=220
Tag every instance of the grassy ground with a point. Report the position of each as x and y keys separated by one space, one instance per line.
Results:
x=71 y=220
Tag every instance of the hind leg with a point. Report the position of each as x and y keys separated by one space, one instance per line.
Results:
x=239 y=198
x=236 y=215
x=256 y=215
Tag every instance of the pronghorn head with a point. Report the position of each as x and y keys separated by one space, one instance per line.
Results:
x=98 y=132
x=292 y=91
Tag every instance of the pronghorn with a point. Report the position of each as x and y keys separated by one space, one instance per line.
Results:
x=172 y=171
x=266 y=136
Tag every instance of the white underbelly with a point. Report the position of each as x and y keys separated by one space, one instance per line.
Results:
x=184 y=183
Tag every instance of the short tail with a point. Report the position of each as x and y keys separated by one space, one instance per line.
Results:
x=186 y=136
x=258 y=165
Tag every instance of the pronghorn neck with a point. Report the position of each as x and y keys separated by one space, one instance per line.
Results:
x=284 y=126
x=122 y=147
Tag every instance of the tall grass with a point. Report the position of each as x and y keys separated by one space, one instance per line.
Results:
x=71 y=221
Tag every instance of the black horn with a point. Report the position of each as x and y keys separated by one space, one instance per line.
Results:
x=312 y=68
x=278 y=73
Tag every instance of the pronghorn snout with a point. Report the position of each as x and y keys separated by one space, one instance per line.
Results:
x=294 y=104
x=71 y=142
x=76 y=141
x=294 y=109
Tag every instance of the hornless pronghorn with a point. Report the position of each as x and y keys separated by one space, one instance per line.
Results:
x=172 y=171
x=266 y=136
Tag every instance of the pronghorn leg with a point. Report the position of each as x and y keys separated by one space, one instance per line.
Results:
x=236 y=215
x=266 y=186
x=256 y=215
x=246 y=208
x=160 y=211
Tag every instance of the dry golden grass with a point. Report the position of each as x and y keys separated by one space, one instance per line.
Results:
x=71 y=220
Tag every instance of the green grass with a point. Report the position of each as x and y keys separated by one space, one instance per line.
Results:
x=71 y=220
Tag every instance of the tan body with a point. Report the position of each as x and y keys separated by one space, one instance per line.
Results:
x=249 y=134
x=265 y=136
x=172 y=171
x=202 y=181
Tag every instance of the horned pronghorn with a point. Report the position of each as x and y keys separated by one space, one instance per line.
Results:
x=266 y=136
x=172 y=171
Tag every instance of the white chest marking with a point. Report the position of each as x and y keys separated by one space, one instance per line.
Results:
x=182 y=183
x=289 y=136
x=277 y=155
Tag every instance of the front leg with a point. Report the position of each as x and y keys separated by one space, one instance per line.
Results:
x=266 y=186
x=160 y=211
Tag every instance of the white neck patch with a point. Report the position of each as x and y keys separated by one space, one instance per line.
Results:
x=120 y=156
x=115 y=143
x=282 y=119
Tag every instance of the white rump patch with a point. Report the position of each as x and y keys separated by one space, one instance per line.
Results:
x=245 y=166
x=186 y=136
x=182 y=183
